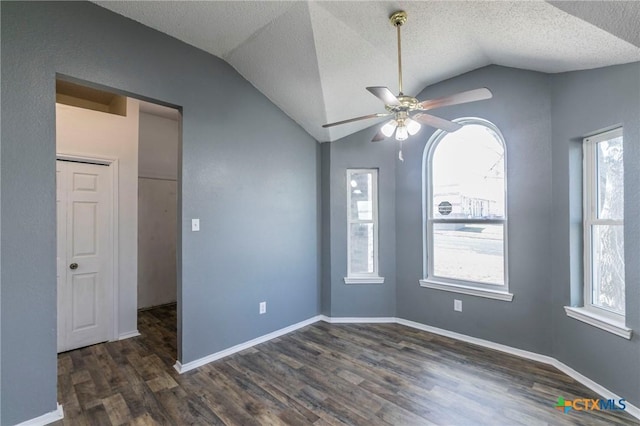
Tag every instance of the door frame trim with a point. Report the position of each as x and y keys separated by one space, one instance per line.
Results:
x=113 y=164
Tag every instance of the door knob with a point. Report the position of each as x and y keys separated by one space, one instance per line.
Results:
x=73 y=266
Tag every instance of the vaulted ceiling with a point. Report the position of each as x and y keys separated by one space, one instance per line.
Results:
x=313 y=59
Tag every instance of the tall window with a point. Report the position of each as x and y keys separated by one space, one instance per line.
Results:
x=603 y=188
x=362 y=222
x=465 y=211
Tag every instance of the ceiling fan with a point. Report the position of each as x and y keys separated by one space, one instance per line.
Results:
x=408 y=112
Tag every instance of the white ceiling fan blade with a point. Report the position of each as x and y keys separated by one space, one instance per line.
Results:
x=384 y=94
x=437 y=122
x=379 y=136
x=364 y=117
x=458 y=98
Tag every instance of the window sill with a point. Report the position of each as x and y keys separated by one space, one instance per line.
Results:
x=600 y=321
x=463 y=289
x=363 y=280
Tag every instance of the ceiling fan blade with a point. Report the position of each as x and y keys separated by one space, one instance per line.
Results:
x=364 y=117
x=385 y=94
x=378 y=137
x=437 y=122
x=458 y=98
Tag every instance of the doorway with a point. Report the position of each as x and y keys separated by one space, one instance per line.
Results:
x=97 y=124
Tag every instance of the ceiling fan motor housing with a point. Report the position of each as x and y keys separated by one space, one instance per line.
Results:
x=407 y=103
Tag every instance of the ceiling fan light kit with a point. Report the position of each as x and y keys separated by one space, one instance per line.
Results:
x=408 y=112
x=388 y=127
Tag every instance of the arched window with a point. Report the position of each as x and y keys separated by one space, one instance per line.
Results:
x=465 y=210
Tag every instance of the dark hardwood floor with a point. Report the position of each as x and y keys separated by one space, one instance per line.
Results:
x=323 y=374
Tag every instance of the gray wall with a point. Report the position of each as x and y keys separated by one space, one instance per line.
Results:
x=521 y=110
x=325 y=203
x=359 y=300
x=252 y=183
x=583 y=103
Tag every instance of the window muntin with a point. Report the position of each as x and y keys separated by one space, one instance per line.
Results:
x=466 y=207
x=362 y=206
x=603 y=191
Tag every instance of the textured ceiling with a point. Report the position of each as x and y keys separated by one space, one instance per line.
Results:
x=313 y=59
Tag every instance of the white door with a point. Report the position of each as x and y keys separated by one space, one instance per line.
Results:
x=85 y=283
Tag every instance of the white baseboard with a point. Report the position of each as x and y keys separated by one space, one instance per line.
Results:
x=183 y=368
x=480 y=342
x=597 y=388
x=45 y=419
x=129 y=335
x=601 y=390
x=358 y=320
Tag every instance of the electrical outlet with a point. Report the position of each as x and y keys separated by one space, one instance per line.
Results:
x=457 y=305
x=195 y=225
x=263 y=308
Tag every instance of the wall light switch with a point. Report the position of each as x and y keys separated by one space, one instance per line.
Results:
x=195 y=224
x=457 y=305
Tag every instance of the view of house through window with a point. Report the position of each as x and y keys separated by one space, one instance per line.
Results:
x=466 y=215
x=604 y=222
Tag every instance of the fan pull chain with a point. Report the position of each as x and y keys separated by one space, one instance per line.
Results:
x=400 y=157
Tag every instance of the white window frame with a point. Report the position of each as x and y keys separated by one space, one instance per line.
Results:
x=590 y=214
x=430 y=280
x=372 y=277
x=589 y=312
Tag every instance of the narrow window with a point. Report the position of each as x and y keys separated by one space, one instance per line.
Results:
x=362 y=223
x=603 y=195
x=465 y=219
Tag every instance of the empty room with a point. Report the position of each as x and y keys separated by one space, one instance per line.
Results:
x=320 y=212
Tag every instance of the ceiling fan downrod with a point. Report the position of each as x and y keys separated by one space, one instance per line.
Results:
x=397 y=20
